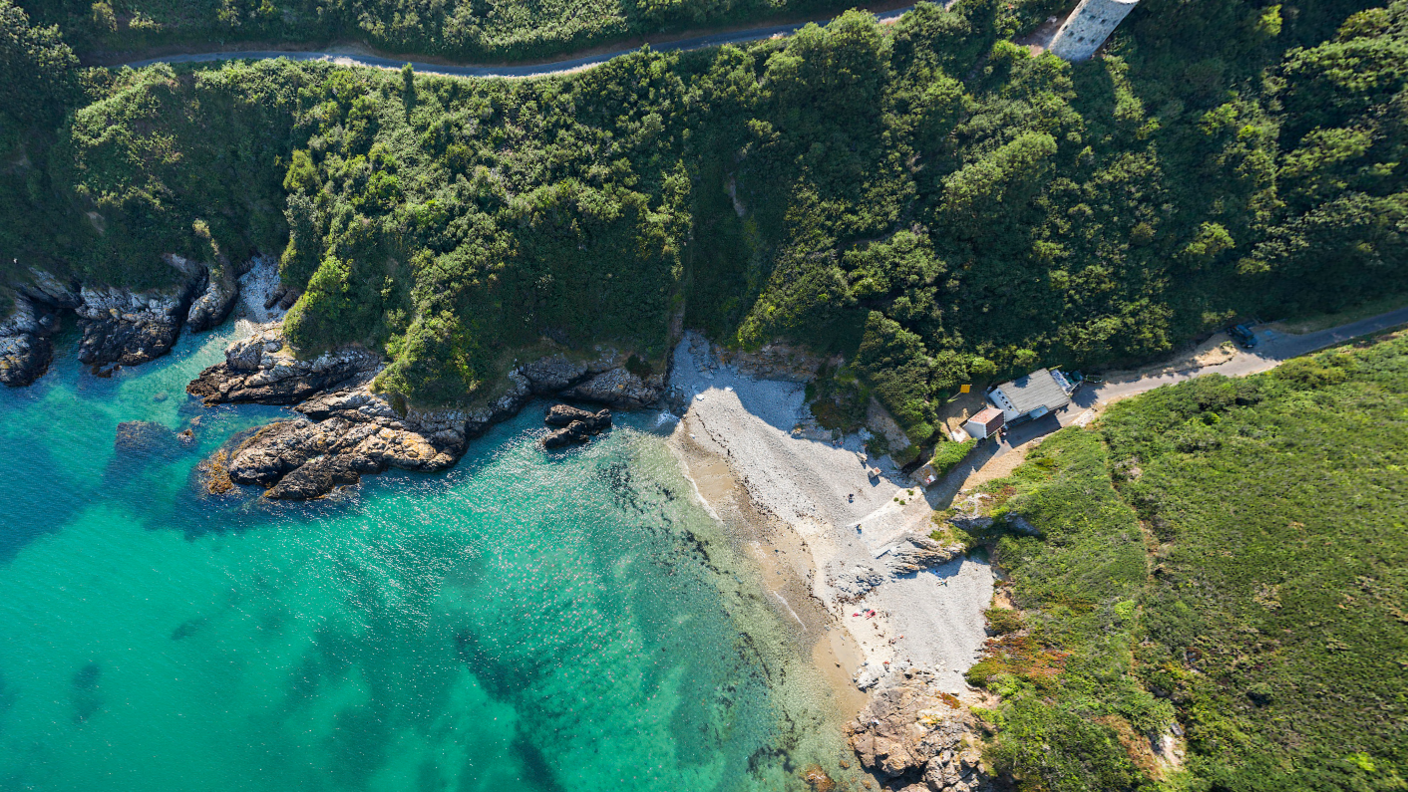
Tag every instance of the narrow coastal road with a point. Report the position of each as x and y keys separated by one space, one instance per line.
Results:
x=352 y=58
x=1273 y=349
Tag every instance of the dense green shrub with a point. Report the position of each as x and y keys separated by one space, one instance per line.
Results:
x=948 y=455
x=495 y=31
x=927 y=200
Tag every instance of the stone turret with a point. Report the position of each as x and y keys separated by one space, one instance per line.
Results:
x=1087 y=28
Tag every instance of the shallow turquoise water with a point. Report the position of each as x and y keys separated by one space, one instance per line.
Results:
x=525 y=622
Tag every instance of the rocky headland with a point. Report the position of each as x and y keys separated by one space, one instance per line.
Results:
x=119 y=326
x=346 y=429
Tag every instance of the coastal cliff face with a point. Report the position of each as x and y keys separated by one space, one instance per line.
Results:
x=215 y=295
x=24 y=345
x=119 y=325
x=347 y=429
x=126 y=327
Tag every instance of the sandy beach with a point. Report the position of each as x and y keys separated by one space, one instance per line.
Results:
x=784 y=487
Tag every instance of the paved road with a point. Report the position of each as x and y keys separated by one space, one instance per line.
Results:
x=349 y=58
x=1273 y=349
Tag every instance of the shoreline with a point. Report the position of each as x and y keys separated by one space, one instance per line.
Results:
x=780 y=487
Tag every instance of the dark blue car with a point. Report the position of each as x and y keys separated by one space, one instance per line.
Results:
x=1243 y=335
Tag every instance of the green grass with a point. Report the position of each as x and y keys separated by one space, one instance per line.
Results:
x=1229 y=553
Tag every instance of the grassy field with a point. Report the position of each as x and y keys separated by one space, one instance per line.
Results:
x=1222 y=560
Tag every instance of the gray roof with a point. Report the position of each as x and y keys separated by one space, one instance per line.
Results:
x=1037 y=389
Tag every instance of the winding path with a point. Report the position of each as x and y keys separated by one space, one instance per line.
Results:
x=351 y=58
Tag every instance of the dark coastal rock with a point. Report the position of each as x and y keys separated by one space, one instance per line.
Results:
x=261 y=370
x=147 y=438
x=127 y=328
x=344 y=435
x=25 y=350
x=914 y=736
x=349 y=430
x=124 y=343
x=564 y=415
x=315 y=478
x=48 y=289
x=554 y=373
x=574 y=433
x=578 y=426
x=618 y=387
x=215 y=301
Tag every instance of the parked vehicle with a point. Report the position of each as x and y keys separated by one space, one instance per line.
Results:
x=1243 y=335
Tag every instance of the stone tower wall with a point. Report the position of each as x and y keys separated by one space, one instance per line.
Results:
x=1088 y=26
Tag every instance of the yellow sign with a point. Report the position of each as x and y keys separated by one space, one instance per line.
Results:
x=965 y=388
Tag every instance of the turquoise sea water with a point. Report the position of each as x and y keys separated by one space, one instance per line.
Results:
x=527 y=621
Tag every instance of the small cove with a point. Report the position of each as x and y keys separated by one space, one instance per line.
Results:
x=525 y=621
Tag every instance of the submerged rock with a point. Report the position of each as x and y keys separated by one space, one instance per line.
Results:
x=148 y=438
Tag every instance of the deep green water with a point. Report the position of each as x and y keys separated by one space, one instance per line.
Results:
x=525 y=622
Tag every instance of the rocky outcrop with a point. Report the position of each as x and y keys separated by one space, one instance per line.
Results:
x=554 y=374
x=260 y=369
x=566 y=415
x=119 y=325
x=25 y=350
x=916 y=553
x=915 y=738
x=348 y=430
x=126 y=327
x=47 y=289
x=215 y=299
x=618 y=387
x=578 y=426
x=343 y=435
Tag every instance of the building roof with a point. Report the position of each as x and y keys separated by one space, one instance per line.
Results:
x=990 y=418
x=1035 y=390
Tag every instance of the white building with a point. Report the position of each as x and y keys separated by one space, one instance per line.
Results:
x=986 y=423
x=1032 y=396
x=1087 y=28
